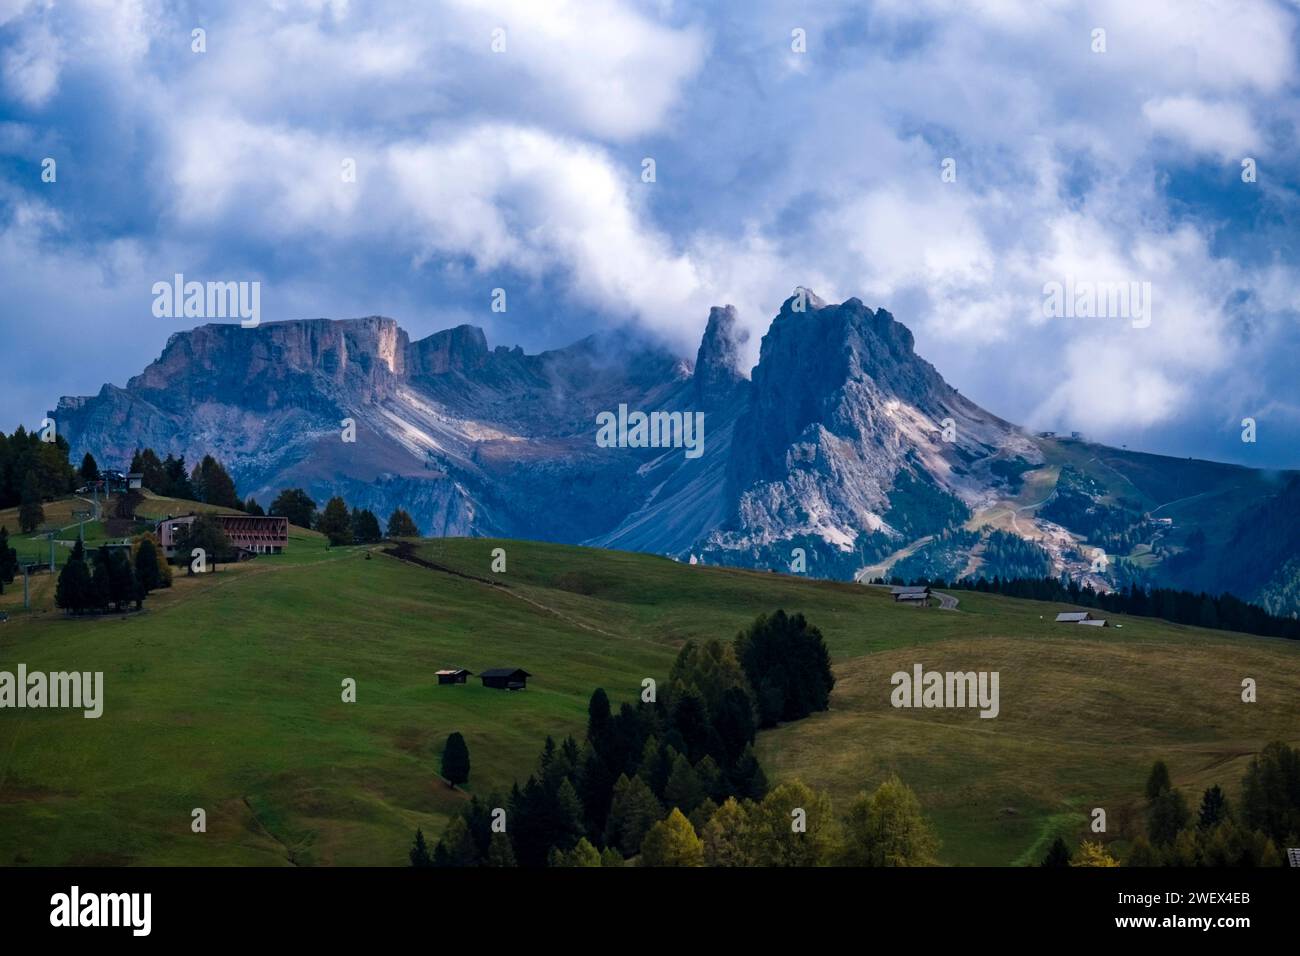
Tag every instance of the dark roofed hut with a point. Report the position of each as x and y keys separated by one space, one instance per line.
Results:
x=505 y=678
x=454 y=675
x=916 y=594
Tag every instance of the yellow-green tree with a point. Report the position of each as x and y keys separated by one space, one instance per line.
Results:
x=672 y=842
x=584 y=854
x=1093 y=854
x=792 y=826
x=887 y=828
x=726 y=836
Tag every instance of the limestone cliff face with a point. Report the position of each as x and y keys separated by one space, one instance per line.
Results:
x=840 y=414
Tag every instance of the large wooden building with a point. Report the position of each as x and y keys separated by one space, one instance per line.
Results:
x=505 y=678
x=453 y=675
x=248 y=534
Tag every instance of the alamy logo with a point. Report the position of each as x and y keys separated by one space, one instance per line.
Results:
x=924 y=688
x=1098 y=300
x=75 y=690
x=653 y=430
x=208 y=300
x=134 y=910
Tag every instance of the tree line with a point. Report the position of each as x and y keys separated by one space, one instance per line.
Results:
x=110 y=577
x=674 y=781
x=1225 y=612
x=1219 y=833
x=337 y=523
x=33 y=471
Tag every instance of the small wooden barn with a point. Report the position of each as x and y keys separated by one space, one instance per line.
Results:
x=1080 y=617
x=505 y=678
x=455 y=675
x=918 y=594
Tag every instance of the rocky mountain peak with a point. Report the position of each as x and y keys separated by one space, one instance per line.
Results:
x=718 y=372
x=460 y=349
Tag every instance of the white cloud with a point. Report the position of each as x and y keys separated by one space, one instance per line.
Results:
x=31 y=67
x=1224 y=130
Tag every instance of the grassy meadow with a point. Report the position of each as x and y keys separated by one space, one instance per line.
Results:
x=225 y=694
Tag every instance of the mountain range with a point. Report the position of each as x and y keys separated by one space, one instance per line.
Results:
x=841 y=454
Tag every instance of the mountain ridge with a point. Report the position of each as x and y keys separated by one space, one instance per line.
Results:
x=841 y=441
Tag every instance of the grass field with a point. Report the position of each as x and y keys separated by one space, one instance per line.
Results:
x=225 y=694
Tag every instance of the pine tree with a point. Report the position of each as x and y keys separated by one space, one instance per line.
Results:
x=420 y=852
x=335 y=522
x=583 y=854
x=611 y=857
x=8 y=559
x=1142 y=854
x=672 y=842
x=598 y=719
x=500 y=853
x=1158 y=780
x=461 y=849
x=146 y=463
x=30 y=512
x=365 y=527
x=632 y=812
x=1057 y=855
x=213 y=484
x=400 y=525
x=1214 y=808
x=296 y=505
x=73 y=590
x=1166 y=816
x=164 y=570
x=683 y=789
x=455 y=761
x=89 y=469
x=146 y=566
x=570 y=822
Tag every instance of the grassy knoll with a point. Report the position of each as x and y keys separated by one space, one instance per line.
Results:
x=225 y=694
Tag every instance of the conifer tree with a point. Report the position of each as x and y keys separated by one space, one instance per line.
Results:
x=672 y=842
x=420 y=852
x=455 y=761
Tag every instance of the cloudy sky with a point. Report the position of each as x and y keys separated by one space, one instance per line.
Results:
x=793 y=144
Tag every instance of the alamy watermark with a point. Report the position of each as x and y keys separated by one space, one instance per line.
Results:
x=653 y=430
x=1084 y=299
x=923 y=688
x=208 y=300
x=59 y=689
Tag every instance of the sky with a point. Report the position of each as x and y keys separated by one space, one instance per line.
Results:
x=948 y=160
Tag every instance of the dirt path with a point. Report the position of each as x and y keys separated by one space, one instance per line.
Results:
x=879 y=569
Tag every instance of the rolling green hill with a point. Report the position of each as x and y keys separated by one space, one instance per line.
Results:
x=225 y=694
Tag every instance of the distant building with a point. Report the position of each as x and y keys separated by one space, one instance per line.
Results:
x=916 y=594
x=505 y=678
x=455 y=675
x=1293 y=855
x=249 y=534
x=1077 y=436
x=1047 y=434
x=1080 y=617
x=114 y=482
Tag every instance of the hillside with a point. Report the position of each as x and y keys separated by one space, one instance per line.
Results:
x=225 y=694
